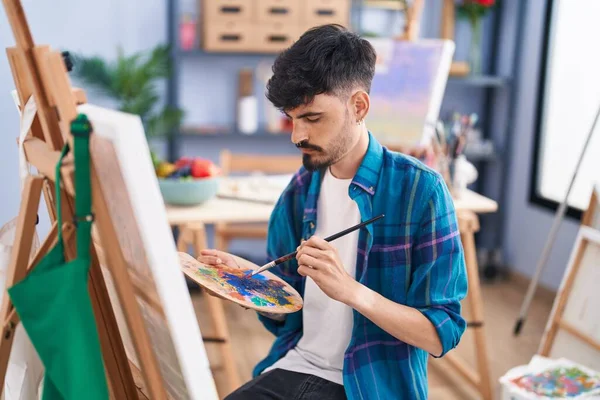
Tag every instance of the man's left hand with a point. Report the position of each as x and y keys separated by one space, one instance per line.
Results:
x=320 y=261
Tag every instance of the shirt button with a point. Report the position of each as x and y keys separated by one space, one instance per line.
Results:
x=312 y=226
x=371 y=188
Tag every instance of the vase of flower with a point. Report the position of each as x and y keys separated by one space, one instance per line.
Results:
x=474 y=11
x=475 y=47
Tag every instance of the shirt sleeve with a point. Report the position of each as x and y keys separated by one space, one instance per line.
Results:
x=438 y=278
x=282 y=238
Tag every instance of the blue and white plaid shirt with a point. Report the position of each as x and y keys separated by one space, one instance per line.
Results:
x=413 y=256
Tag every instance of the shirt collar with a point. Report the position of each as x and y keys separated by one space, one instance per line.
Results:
x=367 y=174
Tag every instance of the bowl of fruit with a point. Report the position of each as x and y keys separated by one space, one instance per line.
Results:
x=188 y=181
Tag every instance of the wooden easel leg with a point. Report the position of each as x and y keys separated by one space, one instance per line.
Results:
x=476 y=305
x=196 y=235
x=19 y=261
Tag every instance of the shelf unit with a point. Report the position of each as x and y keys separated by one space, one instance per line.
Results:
x=490 y=85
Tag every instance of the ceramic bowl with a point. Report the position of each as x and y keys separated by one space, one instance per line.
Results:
x=188 y=192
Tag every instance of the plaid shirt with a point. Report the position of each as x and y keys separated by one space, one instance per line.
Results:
x=413 y=256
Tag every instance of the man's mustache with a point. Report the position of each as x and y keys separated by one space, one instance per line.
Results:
x=305 y=145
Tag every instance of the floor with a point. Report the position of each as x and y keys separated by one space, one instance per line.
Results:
x=502 y=301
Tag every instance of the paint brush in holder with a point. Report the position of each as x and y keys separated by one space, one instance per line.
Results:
x=288 y=257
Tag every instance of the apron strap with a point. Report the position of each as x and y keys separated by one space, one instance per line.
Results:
x=59 y=219
x=83 y=219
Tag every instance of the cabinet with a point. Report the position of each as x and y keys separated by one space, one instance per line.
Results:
x=264 y=26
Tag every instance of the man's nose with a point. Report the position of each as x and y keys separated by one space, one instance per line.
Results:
x=298 y=134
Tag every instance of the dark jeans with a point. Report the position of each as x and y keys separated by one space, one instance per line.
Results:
x=280 y=384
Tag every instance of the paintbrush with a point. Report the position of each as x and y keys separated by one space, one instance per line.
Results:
x=328 y=239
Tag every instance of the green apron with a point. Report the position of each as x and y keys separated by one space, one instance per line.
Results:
x=53 y=301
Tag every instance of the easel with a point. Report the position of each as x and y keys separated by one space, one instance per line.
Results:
x=588 y=235
x=41 y=73
x=591 y=216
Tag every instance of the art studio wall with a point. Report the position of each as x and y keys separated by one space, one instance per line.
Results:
x=528 y=225
x=136 y=27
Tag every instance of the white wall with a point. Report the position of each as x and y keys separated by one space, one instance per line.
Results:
x=528 y=225
x=82 y=26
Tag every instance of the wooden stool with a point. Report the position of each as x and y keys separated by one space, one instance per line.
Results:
x=195 y=234
x=468 y=224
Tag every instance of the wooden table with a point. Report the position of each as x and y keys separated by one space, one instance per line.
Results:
x=230 y=210
x=226 y=210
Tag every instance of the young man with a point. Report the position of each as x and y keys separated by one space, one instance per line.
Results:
x=379 y=301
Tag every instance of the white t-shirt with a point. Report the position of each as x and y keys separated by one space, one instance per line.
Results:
x=327 y=323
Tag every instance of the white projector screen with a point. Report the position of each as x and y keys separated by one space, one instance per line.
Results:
x=568 y=103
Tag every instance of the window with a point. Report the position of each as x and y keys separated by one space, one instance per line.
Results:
x=568 y=100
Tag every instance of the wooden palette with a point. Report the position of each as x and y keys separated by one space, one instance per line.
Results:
x=263 y=292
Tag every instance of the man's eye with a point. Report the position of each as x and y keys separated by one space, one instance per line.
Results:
x=313 y=120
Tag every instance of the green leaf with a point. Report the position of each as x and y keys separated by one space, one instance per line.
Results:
x=164 y=123
x=141 y=104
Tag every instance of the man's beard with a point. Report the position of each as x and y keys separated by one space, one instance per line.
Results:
x=321 y=159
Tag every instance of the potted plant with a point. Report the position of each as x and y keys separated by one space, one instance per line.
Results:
x=131 y=80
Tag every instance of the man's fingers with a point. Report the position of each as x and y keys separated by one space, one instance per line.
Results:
x=312 y=251
x=305 y=270
x=308 y=260
x=312 y=273
x=317 y=242
x=210 y=260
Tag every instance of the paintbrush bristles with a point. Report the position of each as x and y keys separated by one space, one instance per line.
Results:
x=264 y=267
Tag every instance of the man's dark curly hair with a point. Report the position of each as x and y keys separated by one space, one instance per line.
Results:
x=326 y=59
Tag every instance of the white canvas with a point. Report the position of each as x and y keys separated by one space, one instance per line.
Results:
x=121 y=156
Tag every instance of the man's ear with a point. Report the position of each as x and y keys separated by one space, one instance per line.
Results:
x=360 y=103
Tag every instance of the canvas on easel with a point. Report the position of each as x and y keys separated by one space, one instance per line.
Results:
x=573 y=329
x=122 y=160
x=140 y=277
x=408 y=89
x=591 y=216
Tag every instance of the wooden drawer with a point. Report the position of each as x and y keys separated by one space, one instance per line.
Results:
x=272 y=11
x=319 y=12
x=229 y=36
x=276 y=37
x=228 y=10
